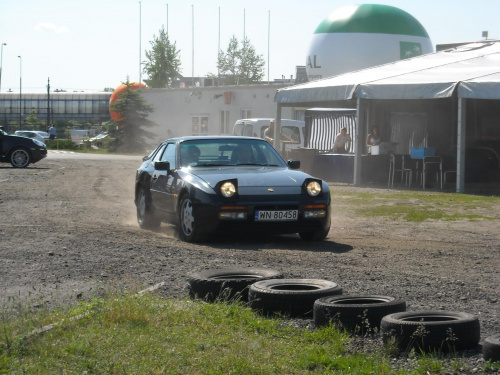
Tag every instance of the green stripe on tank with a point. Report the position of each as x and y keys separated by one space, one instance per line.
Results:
x=372 y=19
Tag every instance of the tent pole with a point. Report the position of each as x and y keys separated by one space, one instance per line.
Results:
x=277 y=130
x=360 y=108
x=461 y=146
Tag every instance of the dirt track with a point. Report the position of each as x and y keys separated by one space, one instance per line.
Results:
x=68 y=229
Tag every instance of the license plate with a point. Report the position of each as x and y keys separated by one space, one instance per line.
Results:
x=276 y=215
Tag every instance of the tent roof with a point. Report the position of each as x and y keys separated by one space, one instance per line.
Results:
x=474 y=68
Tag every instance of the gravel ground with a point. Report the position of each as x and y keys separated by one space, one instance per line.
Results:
x=68 y=230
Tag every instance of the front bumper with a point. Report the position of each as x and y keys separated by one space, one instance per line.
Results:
x=209 y=218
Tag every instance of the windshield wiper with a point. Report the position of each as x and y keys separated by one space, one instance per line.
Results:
x=210 y=165
x=258 y=164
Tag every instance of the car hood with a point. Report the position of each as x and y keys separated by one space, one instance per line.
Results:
x=251 y=176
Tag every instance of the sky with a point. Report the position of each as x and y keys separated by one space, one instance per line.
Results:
x=88 y=45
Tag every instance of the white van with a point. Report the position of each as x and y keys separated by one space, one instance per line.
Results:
x=255 y=127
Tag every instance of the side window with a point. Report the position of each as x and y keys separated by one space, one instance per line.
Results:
x=169 y=155
x=159 y=153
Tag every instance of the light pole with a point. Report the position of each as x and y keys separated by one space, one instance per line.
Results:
x=1 y=58
x=20 y=88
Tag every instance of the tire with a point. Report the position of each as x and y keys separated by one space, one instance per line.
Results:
x=293 y=297
x=188 y=230
x=20 y=157
x=431 y=330
x=358 y=314
x=227 y=284
x=315 y=235
x=99 y=144
x=145 y=215
x=491 y=348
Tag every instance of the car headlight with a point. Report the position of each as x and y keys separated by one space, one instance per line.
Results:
x=313 y=188
x=38 y=143
x=228 y=189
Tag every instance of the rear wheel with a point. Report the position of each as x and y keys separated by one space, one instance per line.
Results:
x=20 y=157
x=145 y=215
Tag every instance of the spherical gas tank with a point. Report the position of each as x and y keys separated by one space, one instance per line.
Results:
x=116 y=116
x=356 y=37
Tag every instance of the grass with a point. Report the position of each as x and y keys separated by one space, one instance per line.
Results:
x=147 y=334
x=417 y=206
x=151 y=335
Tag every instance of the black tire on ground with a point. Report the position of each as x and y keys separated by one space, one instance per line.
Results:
x=431 y=330
x=360 y=314
x=227 y=284
x=145 y=215
x=315 y=235
x=491 y=348
x=293 y=297
x=20 y=157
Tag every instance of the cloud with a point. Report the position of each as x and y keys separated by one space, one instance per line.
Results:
x=46 y=26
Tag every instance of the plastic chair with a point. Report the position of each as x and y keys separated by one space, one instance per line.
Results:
x=397 y=165
x=407 y=169
x=432 y=164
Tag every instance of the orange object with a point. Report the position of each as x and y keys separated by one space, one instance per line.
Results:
x=116 y=116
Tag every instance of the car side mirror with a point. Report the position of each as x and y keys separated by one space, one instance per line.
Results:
x=293 y=164
x=162 y=165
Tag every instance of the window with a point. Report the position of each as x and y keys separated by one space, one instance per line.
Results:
x=246 y=113
x=169 y=155
x=199 y=125
x=159 y=153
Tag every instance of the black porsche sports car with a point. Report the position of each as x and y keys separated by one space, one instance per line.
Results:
x=229 y=184
x=20 y=151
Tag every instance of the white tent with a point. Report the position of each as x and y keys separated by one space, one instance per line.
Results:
x=470 y=71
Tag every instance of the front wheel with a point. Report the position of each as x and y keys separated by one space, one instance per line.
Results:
x=188 y=230
x=145 y=215
x=314 y=235
x=20 y=158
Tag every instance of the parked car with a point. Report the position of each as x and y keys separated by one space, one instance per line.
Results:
x=20 y=151
x=45 y=135
x=32 y=135
x=101 y=140
x=203 y=185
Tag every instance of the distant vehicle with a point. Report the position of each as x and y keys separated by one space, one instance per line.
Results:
x=20 y=151
x=101 y=140
x=229 y=184
x=32 y=135
x=45 y=135
x=255 y=127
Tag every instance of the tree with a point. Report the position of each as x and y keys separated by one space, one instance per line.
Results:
x=32 y=120
x=129 y=133
x=240 y=64
x=163 y=63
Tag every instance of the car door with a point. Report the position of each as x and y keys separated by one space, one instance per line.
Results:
x=163 y=182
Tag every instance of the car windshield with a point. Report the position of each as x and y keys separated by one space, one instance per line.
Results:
x=230 y=151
